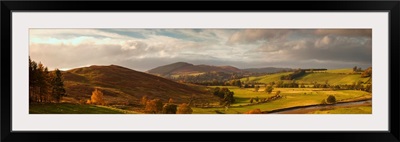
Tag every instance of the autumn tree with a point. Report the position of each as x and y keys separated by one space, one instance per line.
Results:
x=255 y=111
x=97 y=97
x=169 y=108
x=184 y=109
x=153 y=106
x=143 y=101
x=367 y=72
x=57 y=84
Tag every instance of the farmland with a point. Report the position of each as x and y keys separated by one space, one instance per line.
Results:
x=291 y=97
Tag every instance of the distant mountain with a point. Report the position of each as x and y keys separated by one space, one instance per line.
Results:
x=266 y=70
x=182 y=68
x=120 y=84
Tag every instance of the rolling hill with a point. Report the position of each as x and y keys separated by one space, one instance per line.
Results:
x=266 y=70
x=120 y=84
x=334 y=77
x=183 y=68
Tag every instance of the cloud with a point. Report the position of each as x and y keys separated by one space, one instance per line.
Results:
x=254 y=35
x=345 y=32
x=143 y=49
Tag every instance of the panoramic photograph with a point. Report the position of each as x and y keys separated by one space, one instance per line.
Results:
x=200 y=71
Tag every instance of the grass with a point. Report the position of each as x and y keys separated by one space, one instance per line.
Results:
x=346 y=70
x=292 y=97
x=69 y=108
x=346 y=110
x=266 y=78
x=334 y=77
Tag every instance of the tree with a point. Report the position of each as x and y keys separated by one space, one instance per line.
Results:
x=97 y=97
x=255 y=111
x=169 y=108
x=367 y=73
x=323 y=102
x=355 y=69
x=153 y=106
x=44 y=86
x=238 y=83
x=256 y=88
x=57 y=84
x=170 y=100
x=41 y=83
x=143 y=101
x=278 y=93
x=269 y=89
x=368 y=88
x=331 y=99
x=184 y=109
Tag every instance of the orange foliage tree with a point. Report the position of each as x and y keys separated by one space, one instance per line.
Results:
x=184 y=109
x=143 y=101
x=97 y=97
x=255 y=111
x=153 y=106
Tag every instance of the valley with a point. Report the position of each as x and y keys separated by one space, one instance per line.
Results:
x=193 y=88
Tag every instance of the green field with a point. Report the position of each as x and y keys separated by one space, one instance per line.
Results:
x=291 y=97
x=266 y=78
x=333 y=77
x=346 y=70
x=68 y=108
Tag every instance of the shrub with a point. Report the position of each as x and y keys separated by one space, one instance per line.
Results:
x=331 y=99
x=323 y=102
x=278 y=93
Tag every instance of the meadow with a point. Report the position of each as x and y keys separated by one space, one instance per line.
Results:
x=291 y=97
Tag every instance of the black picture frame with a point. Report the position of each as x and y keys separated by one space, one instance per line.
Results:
x=7 y=7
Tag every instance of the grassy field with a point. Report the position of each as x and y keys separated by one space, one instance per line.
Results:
x=345 y=70
x=266 y=78
x=334 y=77
x=68 y=108
x=291 y=97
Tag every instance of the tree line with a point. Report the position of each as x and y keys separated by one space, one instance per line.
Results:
x=45 y=86
x=156 y=106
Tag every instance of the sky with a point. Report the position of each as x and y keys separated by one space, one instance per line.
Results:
x=144 y=49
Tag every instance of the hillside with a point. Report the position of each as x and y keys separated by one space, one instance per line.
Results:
x=266 y=70
x=334 y=77
x=182 y=68
x=121 y=84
